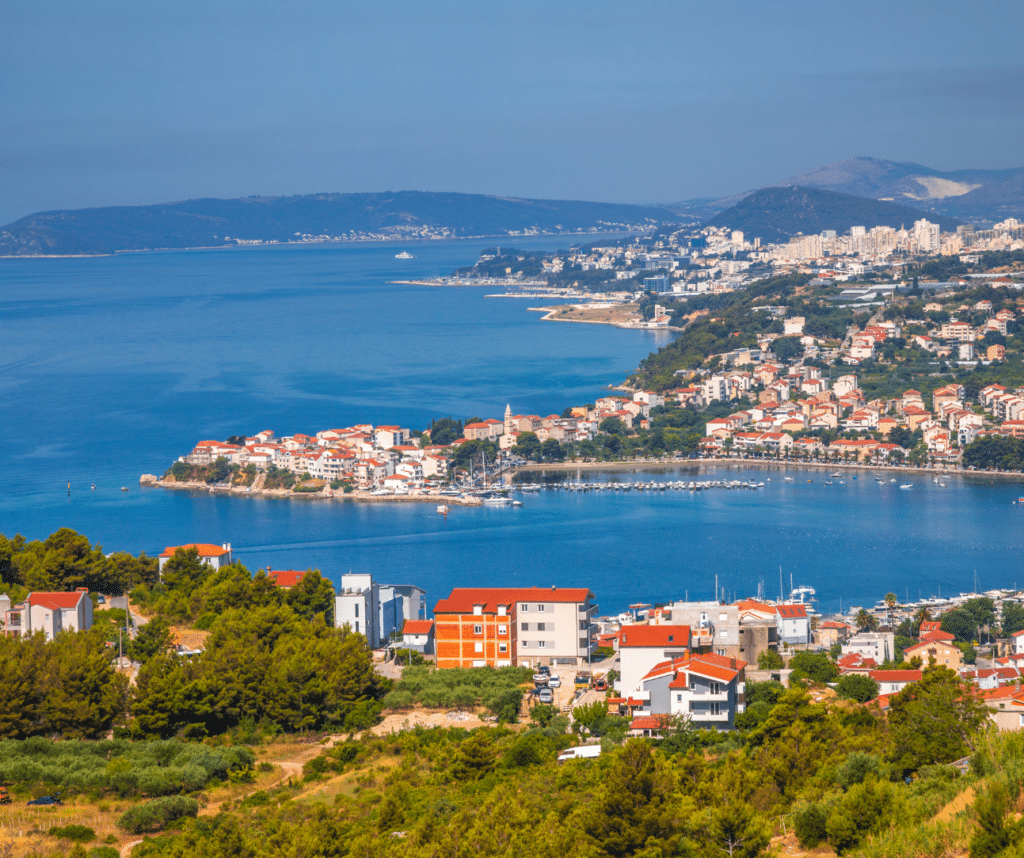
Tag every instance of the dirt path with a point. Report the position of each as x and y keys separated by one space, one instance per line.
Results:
x=958 y=804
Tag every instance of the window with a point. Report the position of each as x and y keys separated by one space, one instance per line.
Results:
x=722 y=618
x=502 y=630
x=723 y=634
x=679 y=698
x=524 y=627
x=502 y=611
x=541 y=644
x=716 y=688
x=540 y=627
x=716 y=708
x=671 y=638
x=478 y=647
x=357 y=626
x=524 y=607
x=540 y=608
x=357 y=609
x=503 y=647
x=478 y=630
x=719 y=652
x=478 y=610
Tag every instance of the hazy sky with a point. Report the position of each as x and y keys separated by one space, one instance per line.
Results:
x=137 y=102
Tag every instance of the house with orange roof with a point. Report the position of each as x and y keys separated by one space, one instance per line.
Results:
x=831 y=632
x=793 y=624
x=216 y=556
x=1005 y=705
x=707 y=690
x=894 y=681
x=932 y=651
x=854 y=662
x=1018 y=642
x=418 y=635
x=48 y=612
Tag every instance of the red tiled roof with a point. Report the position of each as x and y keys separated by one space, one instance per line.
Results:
x=205 y=549
x=463 y=599
x=654 y=636
x=649 y=722
x=945 y=637
x=832 y=624
x=286 y=577
x=930 y=626
x=417 y=627
x=57 y=601
x=895 y=675
x=791 y=612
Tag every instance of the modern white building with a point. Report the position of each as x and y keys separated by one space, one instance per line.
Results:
x=377 y=611
x=642 y=647
x=880 y=646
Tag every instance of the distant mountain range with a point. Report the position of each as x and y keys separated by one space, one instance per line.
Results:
x=976 y=196
x=213 y=222
x=864 y=191
x=776 y=214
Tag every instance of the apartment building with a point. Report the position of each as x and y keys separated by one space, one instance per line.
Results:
x=526 y=626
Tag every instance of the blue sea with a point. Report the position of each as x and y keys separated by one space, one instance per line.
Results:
x=114 y=366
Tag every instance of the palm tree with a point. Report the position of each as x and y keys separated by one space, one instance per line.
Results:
x=890 y=603
x=865 y=621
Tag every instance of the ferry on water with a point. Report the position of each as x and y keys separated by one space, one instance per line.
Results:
x=404 y=255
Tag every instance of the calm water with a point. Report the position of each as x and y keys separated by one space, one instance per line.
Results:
x=112 y=367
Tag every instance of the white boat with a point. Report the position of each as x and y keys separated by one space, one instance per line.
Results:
x=907 y=486
x=404 y=255
x=442 y=509
x=497 y=501
x=787 y=479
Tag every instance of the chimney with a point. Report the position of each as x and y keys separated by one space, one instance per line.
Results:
x=732 y=663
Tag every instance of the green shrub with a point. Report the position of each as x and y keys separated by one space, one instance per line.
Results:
x=810 y=823
x=104 y=852
x=155 y=815
x=76 y=833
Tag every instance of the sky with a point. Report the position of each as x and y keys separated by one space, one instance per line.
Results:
x=139 y=101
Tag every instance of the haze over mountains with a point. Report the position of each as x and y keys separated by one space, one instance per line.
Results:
x=865 y=191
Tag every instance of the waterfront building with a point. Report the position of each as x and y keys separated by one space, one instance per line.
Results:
x=216 y=556
x=642 y=647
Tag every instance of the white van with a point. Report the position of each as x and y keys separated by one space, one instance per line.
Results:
x=580 y=753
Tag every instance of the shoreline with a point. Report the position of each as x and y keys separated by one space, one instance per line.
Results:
x=323 y=494
x=645 y=464
x=549 y=316
x=274 y=243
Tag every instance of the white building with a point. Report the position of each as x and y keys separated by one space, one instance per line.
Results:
x=641 y=648
x=880 y=646
x=377 y=611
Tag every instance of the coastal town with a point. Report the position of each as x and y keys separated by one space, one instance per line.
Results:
x=652 y=664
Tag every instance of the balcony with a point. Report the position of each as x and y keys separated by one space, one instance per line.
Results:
x=706 y=715
x=587 y=613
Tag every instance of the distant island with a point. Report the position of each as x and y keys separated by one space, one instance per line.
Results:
x=315 y=218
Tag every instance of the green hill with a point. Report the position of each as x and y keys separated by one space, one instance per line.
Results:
x=777 y=214
x=213 y=222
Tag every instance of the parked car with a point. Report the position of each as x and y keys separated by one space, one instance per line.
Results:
x=555 y=682
x=546 y=695
x=543 y=668
x=600 y=684
x=540 y=680
x=47 y=799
